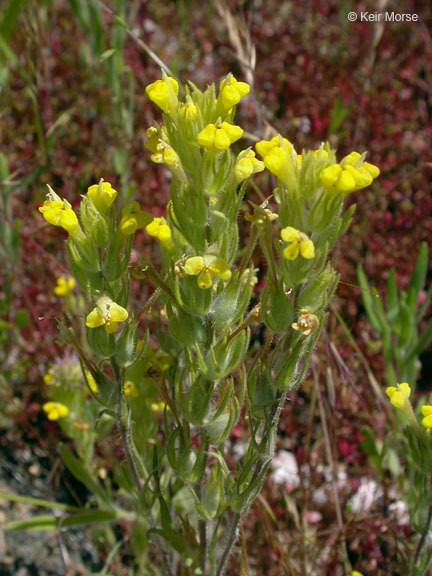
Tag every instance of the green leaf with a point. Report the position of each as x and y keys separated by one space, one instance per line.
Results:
x=121 y=22
x=370 y=447
x=82 y=474
x=52 y=522
x=90 y=517
x=177 y=541
x=392 y=296
x=407 y=325
x=421 y=344
x=35 y=523
x=418 y=277
x=22 y=318
x=425 y=305
x=337 y=116
x=37 y=502
x=107 y=54
x=10 y=17
x=368 y=300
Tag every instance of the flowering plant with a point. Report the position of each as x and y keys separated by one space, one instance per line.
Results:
x=186 y=492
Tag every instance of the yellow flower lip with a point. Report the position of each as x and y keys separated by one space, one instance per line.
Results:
x=219 y=136
x=102 y=195
x=130 y=389
x=133 y=218
x=55 y=410
x=246 y=165
x=298 y=243
x=106 y=313
x=204 y=267
x=399 y=395
x=231 y=91
x=163 y=92
x=427 y=413
x=64 y=286
x=58 y=212
x=277 y=154
x=159 y=229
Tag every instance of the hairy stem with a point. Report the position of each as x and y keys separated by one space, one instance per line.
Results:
x=424 y=535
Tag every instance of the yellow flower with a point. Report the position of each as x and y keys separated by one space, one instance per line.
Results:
x=231 y=92
x=159 y=229
x=164 y=93
x=350 y=174
x=278 y=154
x=399 y=394
x=49 y=377
x=204 y=267
x=58 y=212
x=219 y=136
x=106 y=313
x=102 y=195
x=427 y=413
x=165 y=155
x=130 y=389
x=157 y=406
x=299 y=242
x=64 y=286
x=355 y=573
x=91 y=382
x=55 y=410
x=133 y=218
x=246 y=165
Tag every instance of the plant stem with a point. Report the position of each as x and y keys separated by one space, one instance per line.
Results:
x=230 y=541
x=125 y=441
x=268 y=437
x=202 y=526
x=424 y=535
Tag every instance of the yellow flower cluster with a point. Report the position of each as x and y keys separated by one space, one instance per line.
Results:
x=399 y=397
x=204 y=267
x=164 y=94
x=106 y=313
x=352 y=173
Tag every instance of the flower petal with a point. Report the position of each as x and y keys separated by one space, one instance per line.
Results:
x=205 y=280
x=94 y=319
x=194 y=265
x=118 y=313
x=221 y=269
